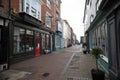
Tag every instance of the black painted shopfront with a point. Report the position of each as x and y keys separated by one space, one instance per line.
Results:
x=4 y=43
x=113 y=23
x=28 y=38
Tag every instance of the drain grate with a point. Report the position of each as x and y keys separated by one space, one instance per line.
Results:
x=76 y=78
x=46 y=74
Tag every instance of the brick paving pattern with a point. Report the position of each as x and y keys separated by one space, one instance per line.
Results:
x=65 y=64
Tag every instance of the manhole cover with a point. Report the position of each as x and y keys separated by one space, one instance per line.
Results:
x=46 y=74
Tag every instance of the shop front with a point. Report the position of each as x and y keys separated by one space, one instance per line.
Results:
x=28 y=39
x=4 y=37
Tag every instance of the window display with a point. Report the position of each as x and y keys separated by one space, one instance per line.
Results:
x=19 y=40
x=29 y=40
x=23 y=40
x=43 y=40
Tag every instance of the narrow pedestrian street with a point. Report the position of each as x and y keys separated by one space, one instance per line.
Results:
x=65 y=64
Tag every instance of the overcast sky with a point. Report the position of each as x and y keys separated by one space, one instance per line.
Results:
x=73 y=11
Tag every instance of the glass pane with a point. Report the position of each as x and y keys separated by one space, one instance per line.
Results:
x=47 y=41
x=19 y=40
x=43 y=41
x=29 y=40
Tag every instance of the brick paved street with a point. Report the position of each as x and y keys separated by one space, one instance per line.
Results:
x=65 y=64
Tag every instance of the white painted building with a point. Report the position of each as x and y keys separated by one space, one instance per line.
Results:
x=66 y=33
x=91 y=7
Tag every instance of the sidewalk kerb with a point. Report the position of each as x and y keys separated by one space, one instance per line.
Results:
x=65 y=69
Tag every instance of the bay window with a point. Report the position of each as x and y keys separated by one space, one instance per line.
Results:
x=29 y=40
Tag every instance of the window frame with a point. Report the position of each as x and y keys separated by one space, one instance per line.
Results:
x=49 y=4
x=48 y=20
x=33 y=12
x=27 y=8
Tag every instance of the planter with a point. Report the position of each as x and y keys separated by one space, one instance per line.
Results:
x=97 y=74
x=84 y=51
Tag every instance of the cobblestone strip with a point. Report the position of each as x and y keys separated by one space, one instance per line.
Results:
x=73 y=69
x=66 y=67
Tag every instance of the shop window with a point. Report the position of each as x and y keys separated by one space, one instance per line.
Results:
x=23 y=40
x=19 y=40
x=104 y=39
x=47 y=42
x=93 y=39
x=99 y=38
x=57 y=41
x=43 y=41
x=29 y=40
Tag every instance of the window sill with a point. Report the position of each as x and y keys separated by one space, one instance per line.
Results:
x=104 y=58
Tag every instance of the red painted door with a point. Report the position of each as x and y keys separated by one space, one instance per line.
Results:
x=37 y=48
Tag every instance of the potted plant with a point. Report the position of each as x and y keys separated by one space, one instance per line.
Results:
x=97 y=74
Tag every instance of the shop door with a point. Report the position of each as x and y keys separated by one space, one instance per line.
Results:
x=38 y=45
x=113 y=61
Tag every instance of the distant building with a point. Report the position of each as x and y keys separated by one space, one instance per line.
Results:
x=66 y=33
